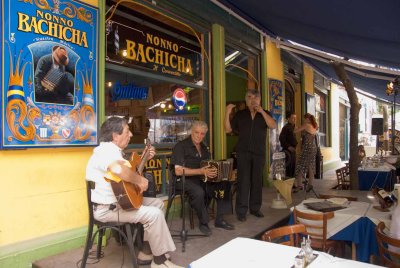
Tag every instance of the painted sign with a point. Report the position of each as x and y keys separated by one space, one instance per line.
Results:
x=134 y=44
x=276 y=110
x=50 y=73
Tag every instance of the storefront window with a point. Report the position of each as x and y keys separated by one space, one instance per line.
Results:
x=155 y=109
x=154 y=77
x=321 y=115
x=321 y=90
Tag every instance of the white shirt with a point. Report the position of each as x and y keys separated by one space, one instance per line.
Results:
x=103 y=155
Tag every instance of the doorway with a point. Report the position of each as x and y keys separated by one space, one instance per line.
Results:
x=343 y=132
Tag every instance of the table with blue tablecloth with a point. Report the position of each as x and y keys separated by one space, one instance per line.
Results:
x=355 y=224
x=381 y=177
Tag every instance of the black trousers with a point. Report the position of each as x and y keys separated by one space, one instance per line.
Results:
x=200 y=195
x=249 y=182
x=290 y=163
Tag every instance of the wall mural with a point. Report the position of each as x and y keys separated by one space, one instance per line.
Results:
x=50 y=73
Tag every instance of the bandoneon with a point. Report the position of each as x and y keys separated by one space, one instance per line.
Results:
x=224 y=169
x=52 y=79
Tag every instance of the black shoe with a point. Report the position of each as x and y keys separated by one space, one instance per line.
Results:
x=258 y=214
x=142 y=262
x=224 y=224
x=205 y=229
x=241 y=218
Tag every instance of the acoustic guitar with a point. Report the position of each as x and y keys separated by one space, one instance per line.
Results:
x=128 y=194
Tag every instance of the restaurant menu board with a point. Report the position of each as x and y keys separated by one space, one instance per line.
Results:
x=50 y=73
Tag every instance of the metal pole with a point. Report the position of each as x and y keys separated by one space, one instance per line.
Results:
x=394 y=122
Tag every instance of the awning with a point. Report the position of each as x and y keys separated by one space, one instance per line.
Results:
x=365 y=30
x=373 y=86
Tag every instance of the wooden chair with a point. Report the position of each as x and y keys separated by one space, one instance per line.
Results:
x=327 y=196
x=316 y=227
x=343 y=179
x=129 y=237
x=389 y=256
x=277 y=235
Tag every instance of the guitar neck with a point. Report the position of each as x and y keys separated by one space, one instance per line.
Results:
x=145 y=157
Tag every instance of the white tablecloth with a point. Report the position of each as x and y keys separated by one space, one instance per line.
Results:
x=354 y=211
x=343 y=217
x=245 y=252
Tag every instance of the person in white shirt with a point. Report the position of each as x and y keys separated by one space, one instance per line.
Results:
x=108 y=156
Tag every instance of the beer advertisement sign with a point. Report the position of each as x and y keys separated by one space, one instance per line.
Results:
x=49 y=73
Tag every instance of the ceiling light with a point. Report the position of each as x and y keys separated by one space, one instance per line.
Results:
x=231 y=57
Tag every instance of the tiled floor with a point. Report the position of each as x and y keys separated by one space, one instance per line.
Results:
x=196 y=247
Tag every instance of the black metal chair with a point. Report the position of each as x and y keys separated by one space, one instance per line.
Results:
x=175 y=189
x=129 y=237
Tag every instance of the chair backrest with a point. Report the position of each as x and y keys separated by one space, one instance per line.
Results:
x=343 y=177
x=346 y=175
x=277 y=235
x=339 y=175
x=89 y=186
x=389 y=248
x=174 y=183
x=316 y=225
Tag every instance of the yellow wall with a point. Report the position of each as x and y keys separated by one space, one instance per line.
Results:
x=308 y=79
x=42 y=190
x=274 y=63
x=91 y=2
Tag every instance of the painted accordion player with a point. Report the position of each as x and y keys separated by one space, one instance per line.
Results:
x=52 y=79
x=224 y=170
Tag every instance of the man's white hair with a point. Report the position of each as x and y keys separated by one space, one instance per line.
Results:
x=200 y=124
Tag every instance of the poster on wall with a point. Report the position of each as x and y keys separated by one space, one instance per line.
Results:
x=276 y=108
x=50 y=73
x=310 y=104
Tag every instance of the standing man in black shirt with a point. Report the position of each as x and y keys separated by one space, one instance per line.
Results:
x=251 y=124
x=186 y=158
x=289 y=143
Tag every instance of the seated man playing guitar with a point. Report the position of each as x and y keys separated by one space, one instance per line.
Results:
x=107 y=158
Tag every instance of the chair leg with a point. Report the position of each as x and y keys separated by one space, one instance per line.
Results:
x=130 y=241
x=170 y=199
x=191 y=218
x=139 y=236
x=99 y=243
x=233 y=193
x=88 y=245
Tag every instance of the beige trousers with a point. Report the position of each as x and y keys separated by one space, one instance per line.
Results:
x=150 y=214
